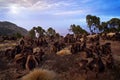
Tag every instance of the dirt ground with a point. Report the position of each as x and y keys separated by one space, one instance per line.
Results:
x=65 y=66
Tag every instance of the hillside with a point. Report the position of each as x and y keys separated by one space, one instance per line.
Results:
x=8 y=28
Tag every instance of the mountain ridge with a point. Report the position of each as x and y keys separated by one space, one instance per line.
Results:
x=9 y=28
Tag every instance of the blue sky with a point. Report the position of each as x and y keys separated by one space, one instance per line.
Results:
x=59 y=14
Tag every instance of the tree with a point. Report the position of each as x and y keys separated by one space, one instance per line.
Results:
x=32 y=33
x=93 y=22
x=39 y=29
x=89 y=21
x=77 y=29
x=51 y=31
x=103 y=27
x=114 y=24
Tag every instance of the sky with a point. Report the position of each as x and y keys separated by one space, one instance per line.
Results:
x=58 y=14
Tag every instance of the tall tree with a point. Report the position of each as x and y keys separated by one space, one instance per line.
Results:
x=51 y=31
x=39 y=29
x=32 y=32
x=103 y=27
x=89 y=21
x=114 y=24
x=93 y=22
x=76 y=29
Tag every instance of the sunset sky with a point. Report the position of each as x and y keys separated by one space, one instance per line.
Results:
x=59 y=14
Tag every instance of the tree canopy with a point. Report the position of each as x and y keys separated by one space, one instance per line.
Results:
x=76 y=29
x=39 y=29
x=50 y=31
x=113 y=25
x=93 y=22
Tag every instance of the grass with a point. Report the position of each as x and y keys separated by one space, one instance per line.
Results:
x=40 y=74
x=5 y=46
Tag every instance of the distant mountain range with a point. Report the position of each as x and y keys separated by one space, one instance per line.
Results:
x=8 y=28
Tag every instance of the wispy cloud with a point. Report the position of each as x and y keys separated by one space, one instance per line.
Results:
x=57 y=13
x=34 y=4
x=70 y=12
x=44 y=5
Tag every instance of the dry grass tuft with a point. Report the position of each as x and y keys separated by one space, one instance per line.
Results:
x=64 y=52
x=4 y=46
x=40 y=74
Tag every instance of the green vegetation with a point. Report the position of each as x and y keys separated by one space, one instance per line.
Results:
x=39 y=30
x=51 y=31
x=76 y=29
x=18 y=35
x=93 y=22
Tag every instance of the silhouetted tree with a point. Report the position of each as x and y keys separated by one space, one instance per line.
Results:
x=32 y=32
x=114 y=24
x=77 y=29
x=104 y=27
x=92 y=22
x=51 y=31
x=39 y=29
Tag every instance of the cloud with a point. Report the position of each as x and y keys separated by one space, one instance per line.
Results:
x=56 y=13
x=39 y=7
x=49 y=5
x=70 y=12
x=34 y=4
